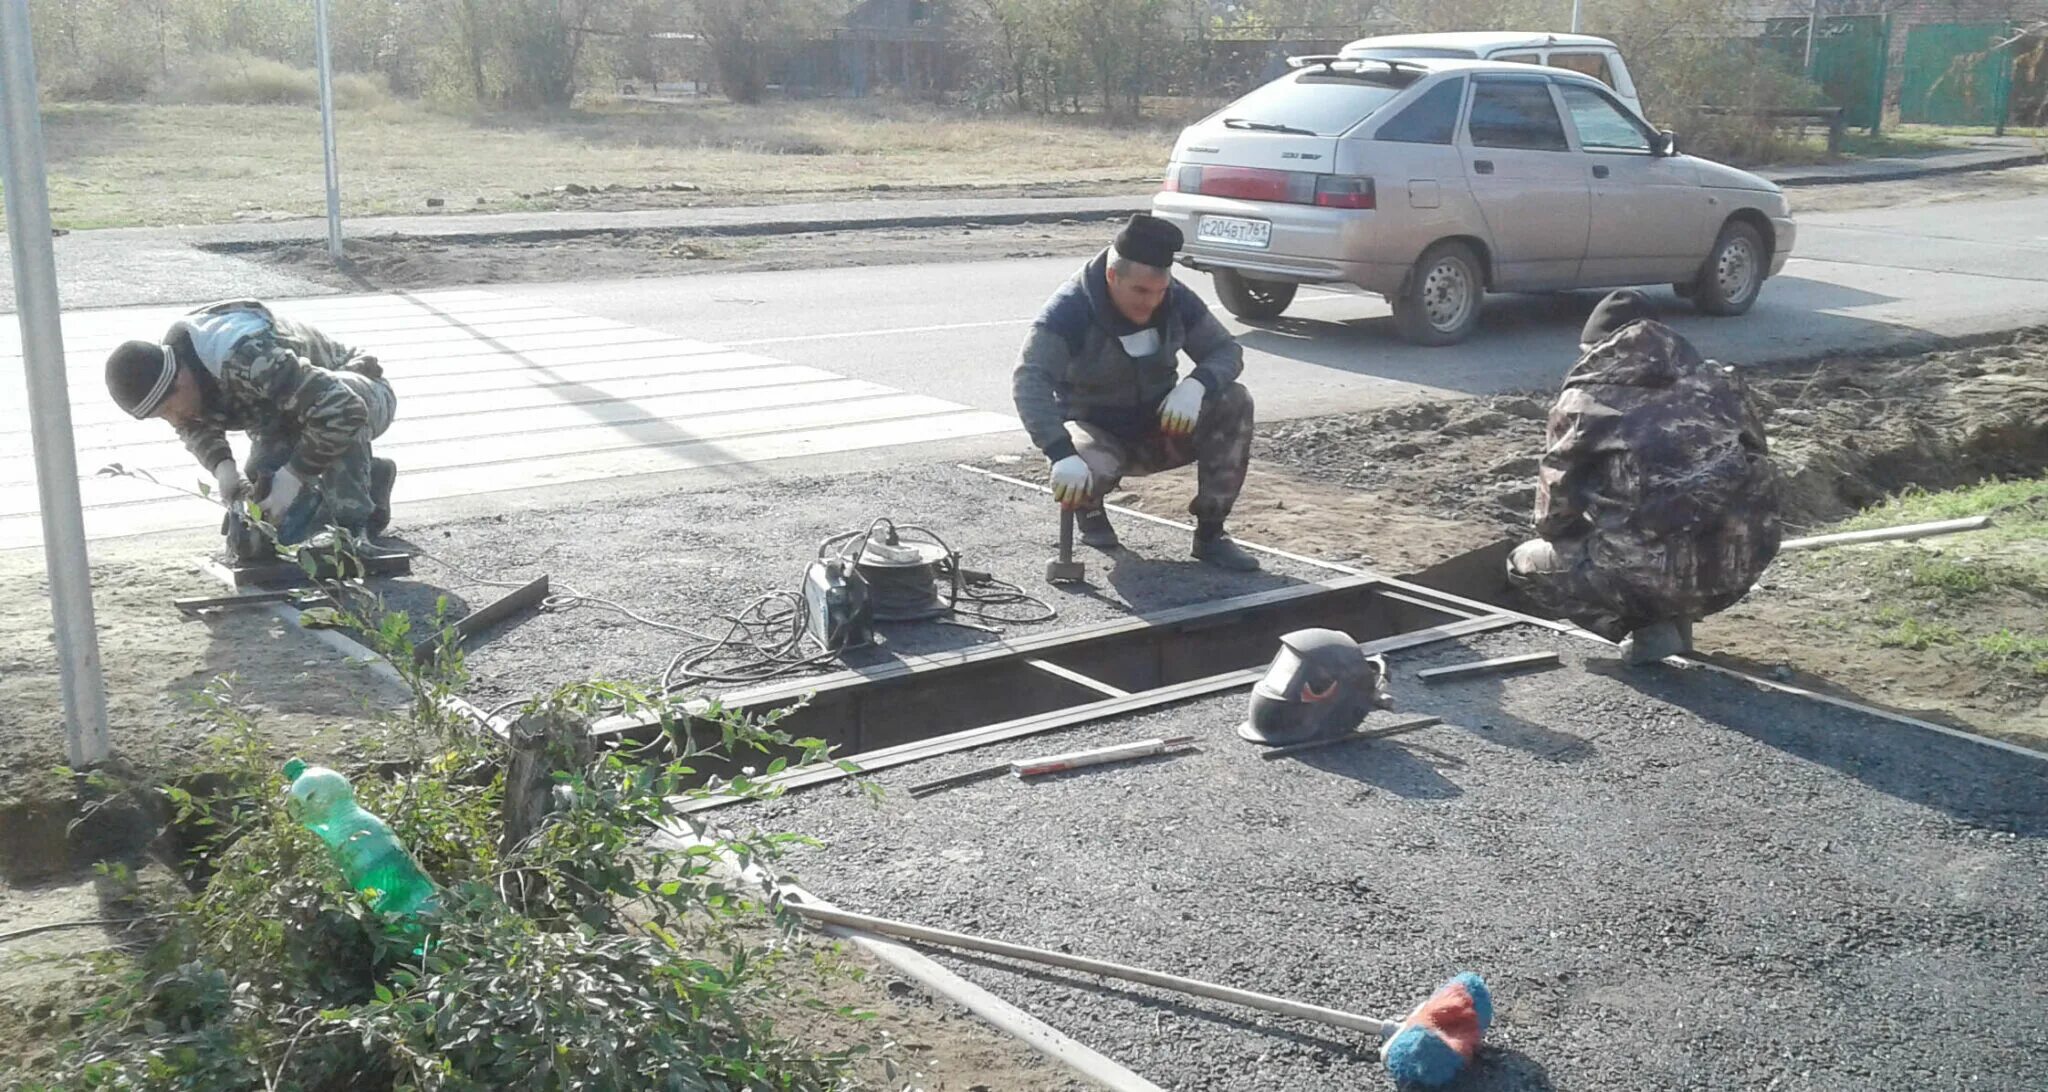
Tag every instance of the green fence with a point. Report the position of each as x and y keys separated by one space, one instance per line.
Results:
x=1849 y=57
x=1951 y=75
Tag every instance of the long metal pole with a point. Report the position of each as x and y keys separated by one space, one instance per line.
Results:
x=1812 y=25
x=49 y=402
x=1575 y=16
x=327 y=129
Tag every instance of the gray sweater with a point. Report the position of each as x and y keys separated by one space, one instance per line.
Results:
x=1074 y=367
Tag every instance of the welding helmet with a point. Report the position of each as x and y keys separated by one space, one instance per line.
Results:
x=1320 y=684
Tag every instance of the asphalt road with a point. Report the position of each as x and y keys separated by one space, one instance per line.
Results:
x=1865 y=279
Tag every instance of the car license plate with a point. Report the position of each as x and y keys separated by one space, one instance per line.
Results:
x=1234 y=231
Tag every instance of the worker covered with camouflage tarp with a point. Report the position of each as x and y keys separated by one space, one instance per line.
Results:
x=310 y=404
x=1657 y=503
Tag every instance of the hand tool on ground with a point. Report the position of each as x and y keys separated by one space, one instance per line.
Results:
x=1072 y=760
x=1064 y=569
x=1427 y=1048
x=1352 y=736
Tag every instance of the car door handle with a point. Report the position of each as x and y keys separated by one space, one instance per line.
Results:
x=1482 y=166
x=1599 y=172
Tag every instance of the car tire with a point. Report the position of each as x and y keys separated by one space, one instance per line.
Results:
x=1733 y=275
x=1440 y=303
x=1253 y=300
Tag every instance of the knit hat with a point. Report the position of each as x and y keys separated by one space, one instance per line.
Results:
x=139 y=376
x=1148 y=240
x=1616 y=311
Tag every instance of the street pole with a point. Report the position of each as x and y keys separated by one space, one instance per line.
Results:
x=1812 y=25
x=327 y=130
x=1575 y=16
x=49 y=403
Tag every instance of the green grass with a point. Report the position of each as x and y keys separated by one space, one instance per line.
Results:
x=1956 y=579
x=2009 y=503
x=146 y=165
x=1911 y=633
x=2024 y=651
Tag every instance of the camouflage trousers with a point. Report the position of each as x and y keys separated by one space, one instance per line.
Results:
x=1617 y=588
x=1220 y=447
x=344 y=489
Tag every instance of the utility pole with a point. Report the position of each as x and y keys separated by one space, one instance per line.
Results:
x=49 y=402
x=327 y=130
x=1575 y=16
x=1812 y=25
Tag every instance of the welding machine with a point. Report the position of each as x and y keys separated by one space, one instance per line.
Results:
x=837 y=605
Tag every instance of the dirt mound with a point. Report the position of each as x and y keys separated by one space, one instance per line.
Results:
x=1846 y=432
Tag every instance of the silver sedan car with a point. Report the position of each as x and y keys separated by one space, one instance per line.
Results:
x=1434 y=181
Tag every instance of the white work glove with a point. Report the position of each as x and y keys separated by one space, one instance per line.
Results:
x=1178 y=411
x=229 y=486
x=1072 y=484
x=284 y=489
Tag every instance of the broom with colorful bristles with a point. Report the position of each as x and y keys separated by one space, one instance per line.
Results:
x=1428 y=1049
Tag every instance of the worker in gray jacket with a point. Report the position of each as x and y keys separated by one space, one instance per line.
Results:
x=1100 y=391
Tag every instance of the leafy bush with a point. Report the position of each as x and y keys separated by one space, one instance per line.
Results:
x=566 y=954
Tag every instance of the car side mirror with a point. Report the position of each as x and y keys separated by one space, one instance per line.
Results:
x=1667 y=143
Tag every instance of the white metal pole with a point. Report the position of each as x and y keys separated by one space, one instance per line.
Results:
x=1812 y=25
x=49 y=402
x=327 y=129
x=1575 y=16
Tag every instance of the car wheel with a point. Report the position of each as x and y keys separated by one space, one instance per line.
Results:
x=1250 y=299
x=1734 y=271
x=1440 y=303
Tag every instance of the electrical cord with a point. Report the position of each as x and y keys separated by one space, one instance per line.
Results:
x=771 y=637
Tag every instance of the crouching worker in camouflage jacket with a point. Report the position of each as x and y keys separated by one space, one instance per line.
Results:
x=310 y=405
x=1100 y=391
x=1658 y=503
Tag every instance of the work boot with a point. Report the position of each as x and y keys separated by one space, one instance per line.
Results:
x=383 y=474
x=1653 y=642
x=1213 y=547
x=1093 y=523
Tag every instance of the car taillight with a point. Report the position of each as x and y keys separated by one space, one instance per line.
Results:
x=1286 y=187
x=1344 y=192
x=1171 y=183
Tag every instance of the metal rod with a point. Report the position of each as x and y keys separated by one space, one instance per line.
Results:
x=1266 y=1002
x=327 y=129
x=1489 y=667
x=1887 y=534
x=49 y=401
x=1352 y=736
x=1575 y=16
x=1812 y=23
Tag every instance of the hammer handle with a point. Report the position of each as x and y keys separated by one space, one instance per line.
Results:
x=1066 y=535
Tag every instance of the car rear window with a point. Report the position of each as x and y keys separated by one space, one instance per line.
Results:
x=1431 y=118
x=1323 y=104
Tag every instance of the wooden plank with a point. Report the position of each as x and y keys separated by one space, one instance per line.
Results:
x=1489 y=667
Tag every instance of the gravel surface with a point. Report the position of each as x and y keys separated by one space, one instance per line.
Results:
x=1670 y=879
x=685 y=557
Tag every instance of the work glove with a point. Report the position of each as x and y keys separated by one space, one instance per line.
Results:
x=1177 y=412
x=1072 y=484
x=285 y=487
x=229 y=485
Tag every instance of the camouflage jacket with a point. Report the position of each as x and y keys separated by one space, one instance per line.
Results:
x=268 y=376
x=1658 y=459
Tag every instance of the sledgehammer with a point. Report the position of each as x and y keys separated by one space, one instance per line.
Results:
x=1064 y=569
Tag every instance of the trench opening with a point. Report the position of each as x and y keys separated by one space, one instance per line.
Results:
x=1045 y=675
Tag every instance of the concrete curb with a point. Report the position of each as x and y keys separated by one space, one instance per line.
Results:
x=1903 y=172
x=741 y=229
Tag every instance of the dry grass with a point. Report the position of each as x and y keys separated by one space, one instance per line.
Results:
x=132 y=165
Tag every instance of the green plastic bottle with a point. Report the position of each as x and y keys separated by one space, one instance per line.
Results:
x=368 y=853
